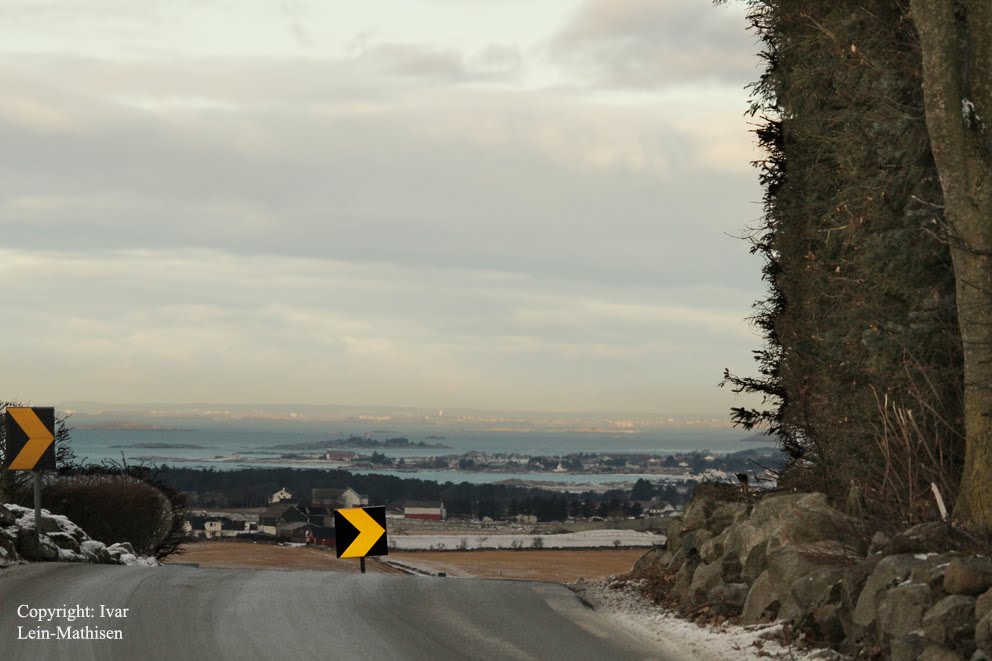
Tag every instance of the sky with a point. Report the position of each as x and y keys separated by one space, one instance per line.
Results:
x=494 y=204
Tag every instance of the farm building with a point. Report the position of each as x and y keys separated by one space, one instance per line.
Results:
x=335 y=498
x=430 y=510
x=278 y=514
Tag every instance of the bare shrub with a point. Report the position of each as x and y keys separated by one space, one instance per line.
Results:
x=122 y=503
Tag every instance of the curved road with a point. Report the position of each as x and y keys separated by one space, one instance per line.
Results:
x=191 y=613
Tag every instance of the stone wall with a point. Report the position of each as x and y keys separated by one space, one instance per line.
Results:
x=794 y=557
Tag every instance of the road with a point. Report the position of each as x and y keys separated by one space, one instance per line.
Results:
x=192 y=613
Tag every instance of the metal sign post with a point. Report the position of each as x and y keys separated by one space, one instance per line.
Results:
x=37 y=505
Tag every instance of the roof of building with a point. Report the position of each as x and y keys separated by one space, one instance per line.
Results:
x=295 y=525
x=428 y=504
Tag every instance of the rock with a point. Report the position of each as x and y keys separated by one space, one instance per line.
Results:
x=97 y=551
x=64 y=541
x=938 y=653
x=888 y=573
x=908 y=647
x=772 y=507
x=658 y=555
x=950 y=622
x=983 y=604
x=878 y=542
x=755 y=562
x=763 y=602
x=49 y=524
x=979 y=655
x=31 y=548
x=725 y=515
x=731 y=570
x=812 y=519
x=705 y=578
x=732 y=595
x=788 y=564
x=7 y=517
x=970 y=576
x=821 y=586
x=932 y=537
x=693 y=540
x=901 y=609
x=126 y=546
x=673 y=533
x=713 y=549
x=831 y=622
x=983 y=633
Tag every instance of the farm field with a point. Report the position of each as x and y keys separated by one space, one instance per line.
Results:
x=270 y=556
x=559 y=566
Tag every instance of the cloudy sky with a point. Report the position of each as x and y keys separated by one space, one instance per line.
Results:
x=496 y=204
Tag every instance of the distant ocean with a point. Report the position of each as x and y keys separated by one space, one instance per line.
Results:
x=222 y=445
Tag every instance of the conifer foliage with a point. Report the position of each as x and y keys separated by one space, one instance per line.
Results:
x=861 y=372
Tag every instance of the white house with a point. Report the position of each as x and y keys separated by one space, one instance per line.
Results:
x=280 y=496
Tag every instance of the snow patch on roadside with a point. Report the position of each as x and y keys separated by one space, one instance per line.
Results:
x=628 y=610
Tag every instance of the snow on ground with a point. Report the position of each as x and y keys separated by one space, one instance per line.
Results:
x=573 y=540
x=682 y=639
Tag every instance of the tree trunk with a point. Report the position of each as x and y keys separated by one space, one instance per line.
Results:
x=956 y=43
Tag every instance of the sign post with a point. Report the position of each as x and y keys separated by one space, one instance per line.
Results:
x=30 y=434
x=360 y=532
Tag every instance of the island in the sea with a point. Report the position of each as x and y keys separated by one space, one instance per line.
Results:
x=359 y=442
x=162 y=446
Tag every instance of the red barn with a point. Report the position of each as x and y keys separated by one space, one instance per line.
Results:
x=430 y=510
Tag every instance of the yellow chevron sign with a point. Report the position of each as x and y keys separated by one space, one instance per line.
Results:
x=360 y=531
x=30 y=434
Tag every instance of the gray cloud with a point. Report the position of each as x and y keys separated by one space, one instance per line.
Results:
x=174 y=230
x=645 y=43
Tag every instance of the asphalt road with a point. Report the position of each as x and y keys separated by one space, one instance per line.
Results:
x=189 y=613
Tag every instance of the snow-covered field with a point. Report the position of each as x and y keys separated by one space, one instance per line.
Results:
x=573 y=540
x=681 y=639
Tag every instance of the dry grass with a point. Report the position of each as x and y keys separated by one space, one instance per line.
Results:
x=270 y=556
x=558 y=566
x=544 y=565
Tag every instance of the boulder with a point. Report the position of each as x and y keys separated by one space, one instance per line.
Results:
x=908 y=647
x=932 y=537
x=7 y=516
x=812 y=519
x=755 y=562
x=763 y=602
x=938 y=653
x=901 y=609
x=693 y=540
x=888 y=573
x=658 y=555
x=772 y=507
x=821 y=586
x=725 y=515
x=31 y=547
x=705 y=578
x=673 y=533
x=983 y=604
x=97 y=551
x=831 y=622
x=713 y=549
x=789 y=564
x=969 y=576
x=64 y=540
x=731 y=595
x=983 y=633
x=951 y=623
